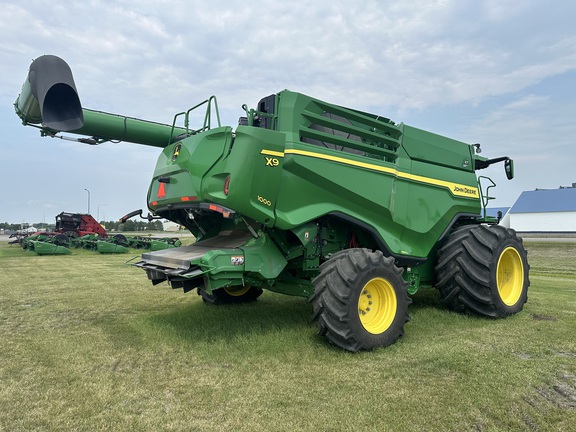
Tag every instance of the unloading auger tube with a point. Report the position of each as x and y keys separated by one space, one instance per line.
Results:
x=348 y=209
x=49 y=99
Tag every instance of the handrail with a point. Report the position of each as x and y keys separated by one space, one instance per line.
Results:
x=484 y=195
x=211 y=104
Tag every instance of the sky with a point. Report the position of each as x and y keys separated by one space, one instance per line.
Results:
x=501 y=73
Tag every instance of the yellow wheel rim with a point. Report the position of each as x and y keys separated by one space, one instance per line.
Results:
x=237 y=291
x=377 y=306
x=510 y=276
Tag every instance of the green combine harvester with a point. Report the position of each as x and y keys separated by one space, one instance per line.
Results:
x=344 y=208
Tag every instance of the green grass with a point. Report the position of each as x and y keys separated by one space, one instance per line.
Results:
x=88 y=344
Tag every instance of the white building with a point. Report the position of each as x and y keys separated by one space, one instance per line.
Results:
x=170 y=226
x=545 y=210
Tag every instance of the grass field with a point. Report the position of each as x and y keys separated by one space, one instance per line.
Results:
x=88 y=344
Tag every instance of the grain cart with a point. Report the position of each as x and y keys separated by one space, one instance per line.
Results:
x=344 y=208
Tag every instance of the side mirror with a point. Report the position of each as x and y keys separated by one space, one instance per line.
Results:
x=509 y=168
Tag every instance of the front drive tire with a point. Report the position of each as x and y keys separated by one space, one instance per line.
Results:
x=240 y=294
x=483 y=270
x=360 y=300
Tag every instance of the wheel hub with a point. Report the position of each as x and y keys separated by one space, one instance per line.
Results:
x=510 y=276
x=237 y=291
x=377 y=305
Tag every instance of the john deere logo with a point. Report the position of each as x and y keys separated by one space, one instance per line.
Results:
x=176 y=151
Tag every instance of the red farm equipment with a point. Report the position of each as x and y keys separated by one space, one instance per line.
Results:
x=77 y=225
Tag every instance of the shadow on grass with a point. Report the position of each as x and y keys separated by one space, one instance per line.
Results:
x=280 y=317
x=425 y=299
x=270 y=313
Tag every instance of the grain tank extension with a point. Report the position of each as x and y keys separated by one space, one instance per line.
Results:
x=344 y=208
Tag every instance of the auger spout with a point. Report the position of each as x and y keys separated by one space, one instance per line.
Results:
x=49 y=98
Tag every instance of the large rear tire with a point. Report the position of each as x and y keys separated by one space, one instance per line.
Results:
x=239 y=294
x=483 y=270
x=360 y=300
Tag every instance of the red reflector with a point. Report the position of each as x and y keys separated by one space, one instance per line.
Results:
x=161 y=190
x=226 y=185
x=154 y=203
x=225 y=212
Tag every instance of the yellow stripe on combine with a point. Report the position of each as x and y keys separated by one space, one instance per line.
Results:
x=455 y=188
x=272 y=153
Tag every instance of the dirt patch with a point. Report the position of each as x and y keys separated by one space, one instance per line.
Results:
x=562 y=393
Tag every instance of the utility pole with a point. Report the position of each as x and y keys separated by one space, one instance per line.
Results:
x=88 y=199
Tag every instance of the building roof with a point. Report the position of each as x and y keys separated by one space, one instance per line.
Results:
x=546 y=200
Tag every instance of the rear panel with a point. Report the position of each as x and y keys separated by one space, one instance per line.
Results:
x=308 y=159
